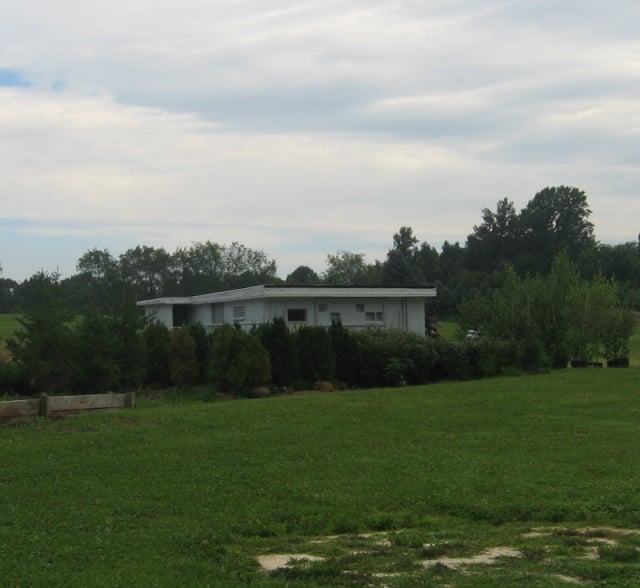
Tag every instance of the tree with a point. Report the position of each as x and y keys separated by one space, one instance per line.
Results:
x=346 y=269
x=303 y=275
x=246 y=267
x=428 y=261
x=43 y=346
x=555 y=219
x=401 y=267
x=494 y=242
x=149 y=270
x=201 y=268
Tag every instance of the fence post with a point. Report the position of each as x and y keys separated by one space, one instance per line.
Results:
x=130 y=399
x=44 y=406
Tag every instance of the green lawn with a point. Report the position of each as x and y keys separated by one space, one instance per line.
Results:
x=190 y=493
x=8 y=325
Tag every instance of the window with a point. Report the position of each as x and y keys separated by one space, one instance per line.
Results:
x=239 y=313
x=359 y=307
x=379 y=316
x=323 y=307
x=374 y=316
x=297 y=315
x=335 y=317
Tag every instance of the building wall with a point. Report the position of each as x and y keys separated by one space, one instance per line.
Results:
x=161 y=313
x=202 y=313
x=407 y=315
x=248 y=312
x=415 y=317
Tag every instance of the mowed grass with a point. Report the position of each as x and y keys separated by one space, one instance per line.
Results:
x=189 y=493
x=8 y=326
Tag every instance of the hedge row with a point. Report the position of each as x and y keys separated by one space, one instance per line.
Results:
x=238 y=362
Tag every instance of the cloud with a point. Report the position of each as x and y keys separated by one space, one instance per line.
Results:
x=302 y=128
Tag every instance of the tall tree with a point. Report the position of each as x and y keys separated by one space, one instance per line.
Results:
x=556 y=218
x=401 y=267
x=494 y=242
x=43 y=346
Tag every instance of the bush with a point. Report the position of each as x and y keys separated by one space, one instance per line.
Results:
x=202 y=341
x=238 y=361
x=394 y=358
x=183 y=359
x=345 y=349
x=14 y=380
x=283 y=353
x=96 y=359
x=157 y=340
x=317 y=359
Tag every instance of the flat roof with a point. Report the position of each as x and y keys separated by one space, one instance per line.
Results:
x=288 y=291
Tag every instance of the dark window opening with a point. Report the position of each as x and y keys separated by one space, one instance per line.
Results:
x=297 y=315
x=180 y=314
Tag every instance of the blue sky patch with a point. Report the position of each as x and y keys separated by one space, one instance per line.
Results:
x=12 y=78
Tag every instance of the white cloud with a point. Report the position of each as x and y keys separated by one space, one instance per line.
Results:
x=302 y=128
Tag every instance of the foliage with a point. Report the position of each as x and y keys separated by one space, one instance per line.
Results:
x=552 y=318
x=202 y=342
x=494 y=242
x=402 y=267
x=238 y=361
x=303 y=275
x=346 y=350
x=280 y=343
x=157 y=344
x=316 y=355
x=346 y=269
x=617 y=335
x=43 y=346
x=97 y=345
x=555 y=218
x=183 y=359
x=393 y=358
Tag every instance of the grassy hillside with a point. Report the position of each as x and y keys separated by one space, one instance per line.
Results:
x=8 y=325
x=189 y=494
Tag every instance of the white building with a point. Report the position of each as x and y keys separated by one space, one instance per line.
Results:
x=355 y=307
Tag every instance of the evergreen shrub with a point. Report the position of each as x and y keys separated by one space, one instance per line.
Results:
x=238 y=361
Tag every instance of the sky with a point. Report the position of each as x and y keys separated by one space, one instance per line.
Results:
x=305 y=128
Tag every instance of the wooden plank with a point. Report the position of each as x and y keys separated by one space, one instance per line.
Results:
x=85 y=402
x=19 y=408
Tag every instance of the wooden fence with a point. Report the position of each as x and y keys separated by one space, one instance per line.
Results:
x=47 y=406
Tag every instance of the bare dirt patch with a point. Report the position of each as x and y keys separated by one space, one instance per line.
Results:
x=487 y=557
x=276 y=561
x=568 y=579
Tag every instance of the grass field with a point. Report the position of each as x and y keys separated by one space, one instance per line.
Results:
x=378 y=484
x=8 y=325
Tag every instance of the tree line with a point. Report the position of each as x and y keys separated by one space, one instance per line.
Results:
x=535 y=286
x=556 y=219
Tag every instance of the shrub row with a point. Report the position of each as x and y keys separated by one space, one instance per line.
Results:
x=238 y=362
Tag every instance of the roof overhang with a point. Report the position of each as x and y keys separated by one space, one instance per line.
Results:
x=297 y=292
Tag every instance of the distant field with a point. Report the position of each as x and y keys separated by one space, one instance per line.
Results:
x=8 y=325
x=379 y=484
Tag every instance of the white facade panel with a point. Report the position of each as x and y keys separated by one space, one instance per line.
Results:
x=415 y=317
x=202 y=313
x=357 y=308
x=160 y=313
